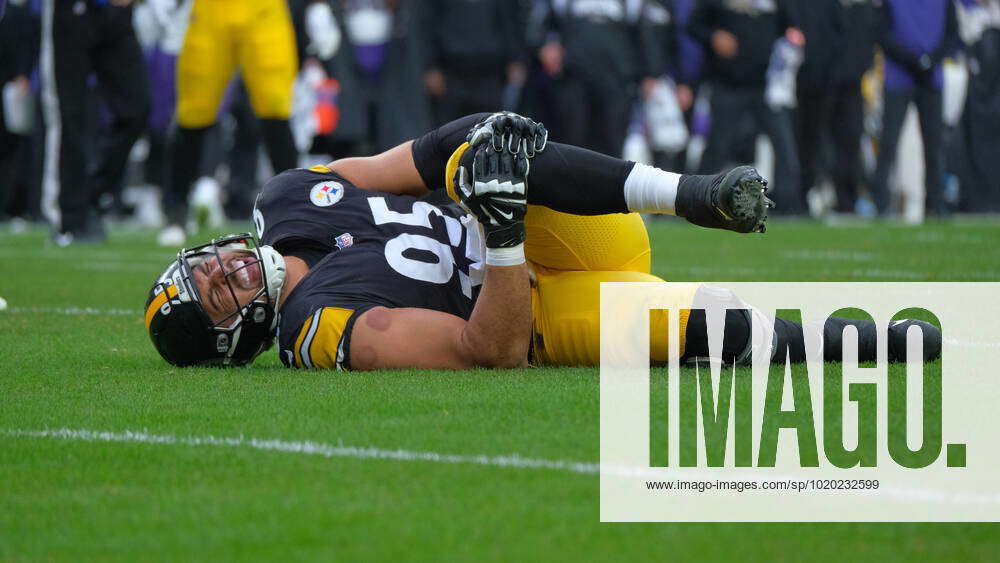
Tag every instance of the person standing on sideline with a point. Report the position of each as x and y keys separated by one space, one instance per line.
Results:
x=915 y=35
x=739 y=37
x=840 y=49
x=601 y=53
x=81 y=38
x=257 y=38
x=465 y=76
x=18 y=60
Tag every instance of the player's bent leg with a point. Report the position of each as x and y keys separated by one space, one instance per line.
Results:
x=566 y=308
x=748 y=332
x=581 y=182
x=559 y=241
x=566 y=325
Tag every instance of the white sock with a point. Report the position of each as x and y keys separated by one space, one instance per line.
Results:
x=651 y=190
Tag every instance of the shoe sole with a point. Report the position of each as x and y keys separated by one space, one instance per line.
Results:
x=748 y=201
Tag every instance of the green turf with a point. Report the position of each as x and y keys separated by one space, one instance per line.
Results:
x=70 y=500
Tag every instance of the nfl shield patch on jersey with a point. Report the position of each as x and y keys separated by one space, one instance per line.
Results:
x=344 y=240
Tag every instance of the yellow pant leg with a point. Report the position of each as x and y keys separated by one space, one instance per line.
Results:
x=206 y=63
x=268 y=59
x=566 y=309
x=615 y=242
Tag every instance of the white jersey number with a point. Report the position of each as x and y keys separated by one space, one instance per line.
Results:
x=433 y=272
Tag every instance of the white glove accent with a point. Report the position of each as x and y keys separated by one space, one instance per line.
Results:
x=494 y=186
x=323 y=31
x=507 y=192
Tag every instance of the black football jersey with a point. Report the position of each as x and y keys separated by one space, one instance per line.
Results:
x=381 y=250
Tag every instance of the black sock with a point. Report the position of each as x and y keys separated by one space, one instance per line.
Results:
x=280 y=144
x=833 y=339
x=789 y=341
x=184 y=152
x=790 y=336
x=734 y=341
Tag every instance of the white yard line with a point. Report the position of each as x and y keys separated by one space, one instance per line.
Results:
x=504 y=461
x=306 y=448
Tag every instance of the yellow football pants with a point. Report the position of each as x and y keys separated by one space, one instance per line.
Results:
x=571 y=256
x=559 y=241
x=254 y=36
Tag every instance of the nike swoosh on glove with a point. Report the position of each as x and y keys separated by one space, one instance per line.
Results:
x=493 y=187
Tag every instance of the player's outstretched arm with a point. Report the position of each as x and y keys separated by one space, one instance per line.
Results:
x=496 y=335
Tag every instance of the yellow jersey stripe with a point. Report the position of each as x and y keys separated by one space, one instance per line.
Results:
x=325 y=344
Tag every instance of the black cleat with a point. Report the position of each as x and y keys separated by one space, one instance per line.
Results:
x=734 y=201
x=897 y=340
x=740 y=198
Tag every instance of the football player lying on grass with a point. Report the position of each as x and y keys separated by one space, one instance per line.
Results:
x=368 y=275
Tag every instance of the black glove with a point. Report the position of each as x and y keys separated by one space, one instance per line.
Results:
x=493 y=187
x=506 y=131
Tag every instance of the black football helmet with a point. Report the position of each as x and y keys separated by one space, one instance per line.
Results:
x=181 y=329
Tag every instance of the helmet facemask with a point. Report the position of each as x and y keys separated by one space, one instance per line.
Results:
x=249 y=327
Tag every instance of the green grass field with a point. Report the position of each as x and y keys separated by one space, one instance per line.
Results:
x=74 y=355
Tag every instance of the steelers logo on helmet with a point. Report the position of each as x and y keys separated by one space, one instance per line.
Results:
x=326 y=194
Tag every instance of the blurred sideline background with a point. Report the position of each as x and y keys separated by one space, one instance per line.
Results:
x=853 y=108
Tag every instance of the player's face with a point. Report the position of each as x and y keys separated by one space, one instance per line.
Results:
x=227 y=283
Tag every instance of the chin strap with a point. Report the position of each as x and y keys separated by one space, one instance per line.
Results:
x=273 y=264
